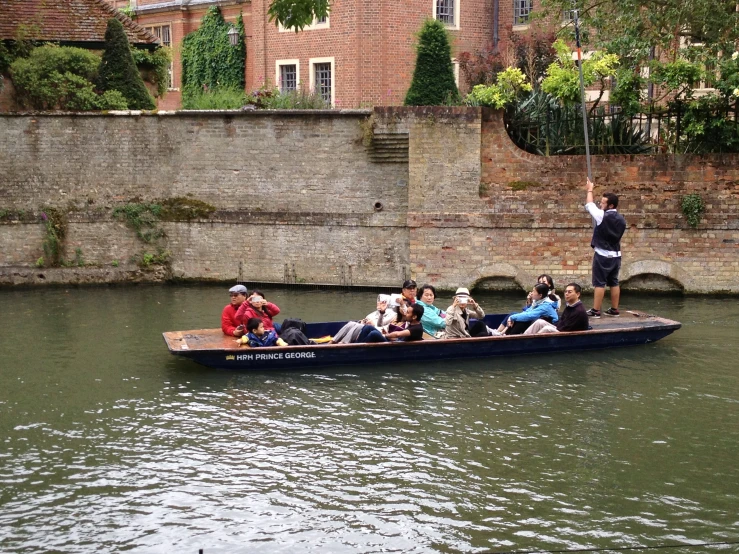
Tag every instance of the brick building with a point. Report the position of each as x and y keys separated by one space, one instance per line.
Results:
x=361 y=55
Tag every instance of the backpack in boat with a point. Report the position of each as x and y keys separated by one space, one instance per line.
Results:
x=293 y=332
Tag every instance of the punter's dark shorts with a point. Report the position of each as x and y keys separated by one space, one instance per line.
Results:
x=605 y=270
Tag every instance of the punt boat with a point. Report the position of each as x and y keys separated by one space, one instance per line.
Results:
x=211 y=348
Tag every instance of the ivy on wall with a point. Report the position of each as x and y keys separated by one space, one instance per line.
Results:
x=208 y=60
x=155 y=66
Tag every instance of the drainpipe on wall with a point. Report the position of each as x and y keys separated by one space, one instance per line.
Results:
x=496 y=16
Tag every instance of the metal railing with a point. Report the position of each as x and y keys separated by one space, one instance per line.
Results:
x=551 y=130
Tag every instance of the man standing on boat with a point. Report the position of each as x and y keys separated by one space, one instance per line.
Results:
x=608 y=228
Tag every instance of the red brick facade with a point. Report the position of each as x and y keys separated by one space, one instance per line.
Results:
x=371 y=44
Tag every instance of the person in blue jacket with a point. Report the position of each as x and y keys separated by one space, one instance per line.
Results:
x=433 y=320
x=540 y=308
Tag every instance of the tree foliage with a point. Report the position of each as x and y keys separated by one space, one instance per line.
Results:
x=433 y=78
x=155 y=66
x=118 y=70
x=563 y=78
x=635 y=23
x=510 y=83
x=529 y=51
x=296 y=14
x=208 y=59
x=54 y=77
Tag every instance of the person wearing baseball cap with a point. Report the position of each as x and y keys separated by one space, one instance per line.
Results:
x=407 y=296
x=229 y=323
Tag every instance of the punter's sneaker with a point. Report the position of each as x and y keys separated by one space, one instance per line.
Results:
x=613 y=312
x=595 y=314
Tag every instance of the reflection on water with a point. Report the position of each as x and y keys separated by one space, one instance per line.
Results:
x=110 y=444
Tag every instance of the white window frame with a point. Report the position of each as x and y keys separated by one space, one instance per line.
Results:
x=454 y=27
x=279 y=63
x=522 y=26
x=312 y=74
x=314 y=26
x=151 y=28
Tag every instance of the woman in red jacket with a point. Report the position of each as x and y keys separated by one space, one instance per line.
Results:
x=257 y=306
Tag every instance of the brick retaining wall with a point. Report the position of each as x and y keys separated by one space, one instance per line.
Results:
x=305 y=197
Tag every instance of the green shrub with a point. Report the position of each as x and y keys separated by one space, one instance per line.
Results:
x=142 y=218
x=118 y=70
x=209 y=62
x=54 y=77
x=433 y=78
x=223 y=98
x=156 y=64
x=509 y=84
x=692 y=207
x=5 y=57
x=272 y=99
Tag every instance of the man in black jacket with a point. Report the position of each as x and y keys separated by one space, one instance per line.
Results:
x=609 y=227
x=573 y=317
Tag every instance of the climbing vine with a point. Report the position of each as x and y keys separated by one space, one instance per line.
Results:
x=156 y=65
x=55 y=223
x=208 y=59
x=693 y=207
x=145 y=219
x=142 y=218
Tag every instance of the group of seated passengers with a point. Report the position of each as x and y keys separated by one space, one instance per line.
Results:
x=405 y=317
x=539 y=315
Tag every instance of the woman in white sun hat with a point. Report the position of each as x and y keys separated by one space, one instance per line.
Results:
x=458 y=315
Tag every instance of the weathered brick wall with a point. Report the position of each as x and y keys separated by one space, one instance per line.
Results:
x=525 y=215
x=296 y=189
x=300 y=198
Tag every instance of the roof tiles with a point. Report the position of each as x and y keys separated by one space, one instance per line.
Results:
x=65 y=21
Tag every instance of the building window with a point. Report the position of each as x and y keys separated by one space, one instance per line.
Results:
x=447 y=11
x=521 y=11
x=164 y=34
x=318 y=23
x=322 y=78
x=322 y=84
x=287 y=75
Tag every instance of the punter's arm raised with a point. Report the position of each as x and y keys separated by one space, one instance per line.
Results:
x=595 y=212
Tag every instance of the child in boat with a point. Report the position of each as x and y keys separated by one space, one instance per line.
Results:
x=257 y=336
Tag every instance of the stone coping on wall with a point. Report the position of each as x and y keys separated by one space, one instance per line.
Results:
x=11 y=276
x=191 y=113
x=438 y=112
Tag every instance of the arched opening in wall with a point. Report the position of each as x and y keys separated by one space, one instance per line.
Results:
x=653 y=282
x=496 y=283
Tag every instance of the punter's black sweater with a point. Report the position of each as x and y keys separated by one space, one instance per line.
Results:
x=573 y=318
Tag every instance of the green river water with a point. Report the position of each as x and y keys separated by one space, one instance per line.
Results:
x=110 y=444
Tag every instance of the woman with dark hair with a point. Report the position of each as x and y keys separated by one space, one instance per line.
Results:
x=257 y=306
x=552 y=296
x=540 y=308
x=433 y=320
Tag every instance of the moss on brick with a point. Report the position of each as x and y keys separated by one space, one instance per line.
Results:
x=523 y=185
x=185 y=209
